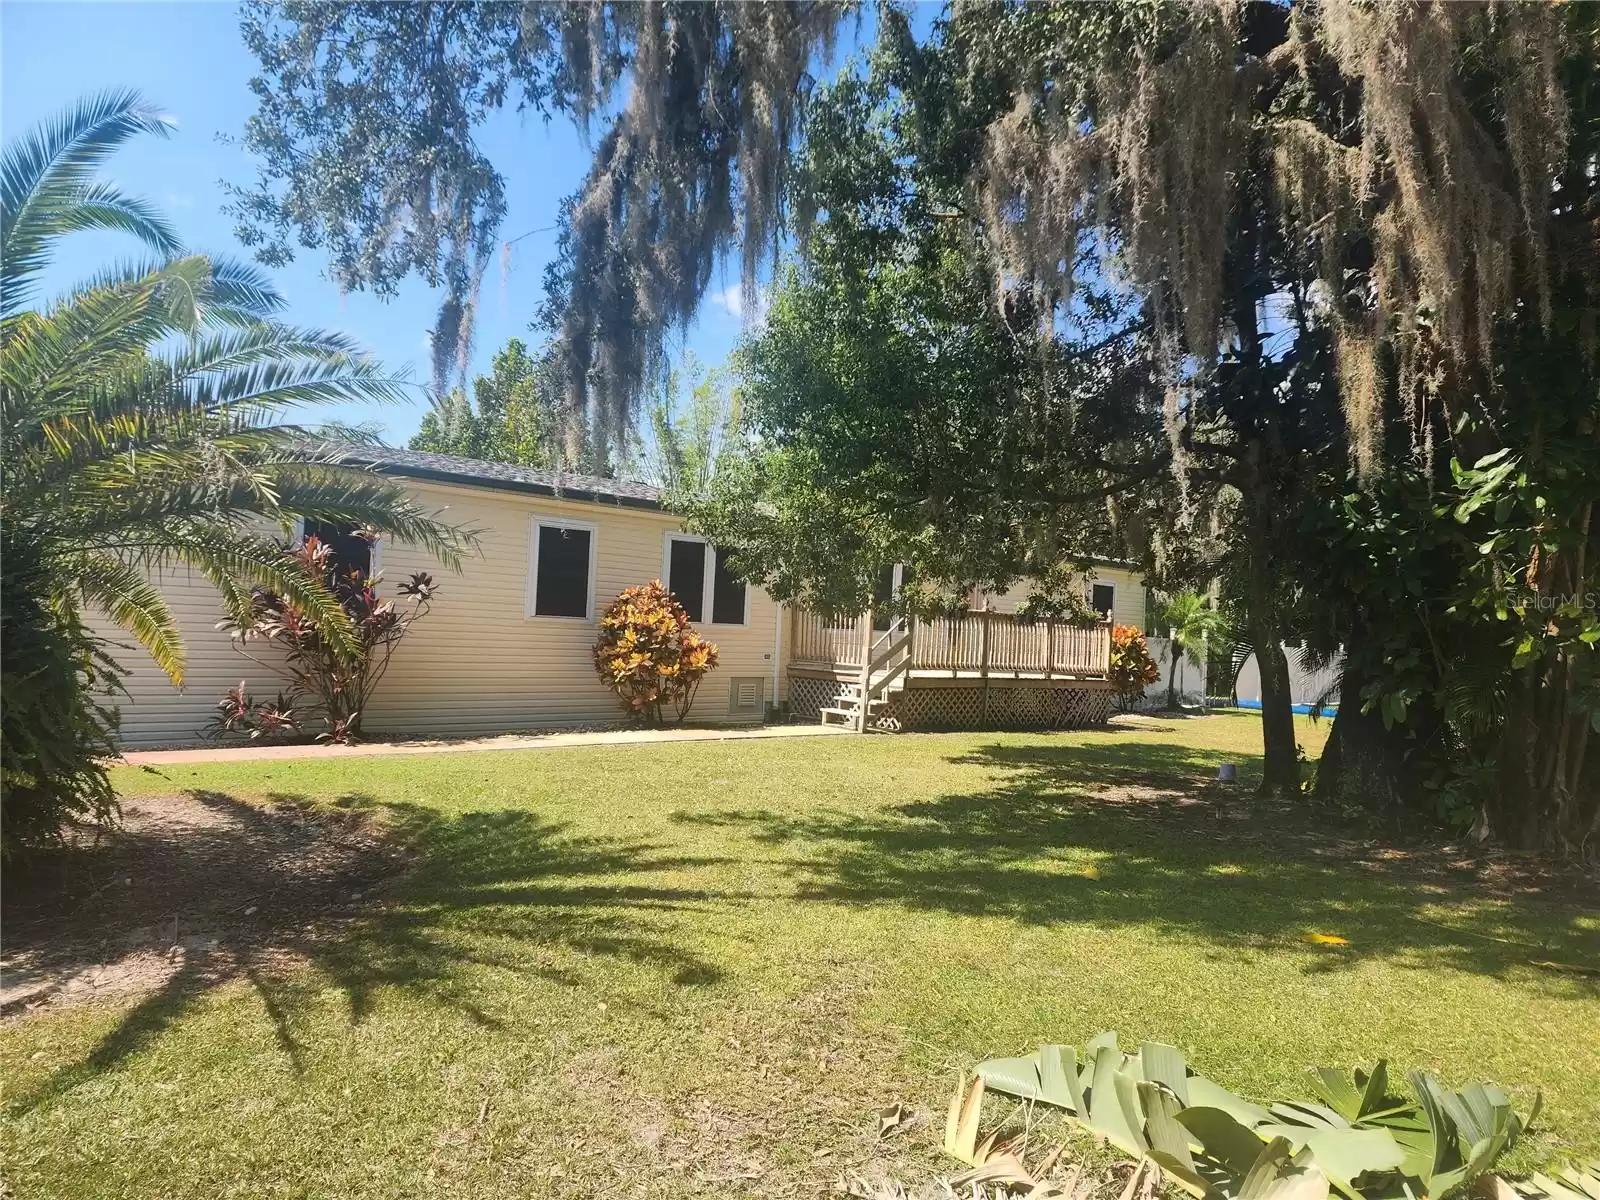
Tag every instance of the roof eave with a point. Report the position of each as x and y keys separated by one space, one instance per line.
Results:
x=524 y=487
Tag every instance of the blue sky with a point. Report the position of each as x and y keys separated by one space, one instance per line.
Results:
x=187 y=59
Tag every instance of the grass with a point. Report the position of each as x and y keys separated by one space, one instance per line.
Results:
x=699 y=969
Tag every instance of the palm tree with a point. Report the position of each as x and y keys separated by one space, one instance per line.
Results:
x=144 y=424
x=145 y=412
x=1191 y=622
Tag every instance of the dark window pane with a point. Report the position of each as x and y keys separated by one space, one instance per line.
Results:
x=1101 y=598
x=563 y=579
x=727 y=594
x=686 y=576
x=882 y=593
x=351 y=552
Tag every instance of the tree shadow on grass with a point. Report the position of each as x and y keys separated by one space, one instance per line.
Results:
x=1175 y=852
x=373 y=895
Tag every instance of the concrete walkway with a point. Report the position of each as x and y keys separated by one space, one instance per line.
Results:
x=542 y=741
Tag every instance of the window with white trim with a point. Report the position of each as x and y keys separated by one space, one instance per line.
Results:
x=1103 y=599
x=702 y=579
x=561 y=569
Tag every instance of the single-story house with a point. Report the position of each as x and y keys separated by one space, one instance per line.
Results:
x=507 y=643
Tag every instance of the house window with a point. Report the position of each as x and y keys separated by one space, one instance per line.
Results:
x=563 y=570
x=686 y=575
x=696 y=573
x=350 y=550
x=1103 y=599
x=727 y=592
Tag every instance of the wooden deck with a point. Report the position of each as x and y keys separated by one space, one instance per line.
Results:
x=976 y=650
x=978 y=645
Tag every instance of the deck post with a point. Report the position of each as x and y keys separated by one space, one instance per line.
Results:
x=983 y=660
x=866 y=671
x=1049 y=647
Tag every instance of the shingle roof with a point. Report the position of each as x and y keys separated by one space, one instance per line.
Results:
x=474 y=472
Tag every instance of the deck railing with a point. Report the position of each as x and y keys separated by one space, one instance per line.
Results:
x=827 y=641
x=981 y=643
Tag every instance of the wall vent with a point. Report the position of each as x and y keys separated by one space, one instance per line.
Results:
x=747 y=698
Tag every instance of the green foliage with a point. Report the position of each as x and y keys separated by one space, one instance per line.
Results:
x=895 y=415
x=1191 y=622
x=54 y=726
x=1132 y=668
x=366 y=132
x=516 y=414
x=144 y=426
x=1474 y=593
x=650 y=655
x=687 y=440
x=1360 y=1140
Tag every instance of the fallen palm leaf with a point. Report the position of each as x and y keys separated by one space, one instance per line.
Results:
x=1355 y=1138
x=961 y=1124
x=1577 y=1181
x=1002 y=1168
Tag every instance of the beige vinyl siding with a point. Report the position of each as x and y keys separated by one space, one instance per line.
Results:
x=154 y=711
x=477 y=663
x=1127 y=606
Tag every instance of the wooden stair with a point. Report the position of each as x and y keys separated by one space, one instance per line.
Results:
x=888 y=658
x=848 y=710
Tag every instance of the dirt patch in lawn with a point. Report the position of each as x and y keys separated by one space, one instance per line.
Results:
x=200 y=884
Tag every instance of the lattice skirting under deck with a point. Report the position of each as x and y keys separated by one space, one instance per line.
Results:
x=931 y=706
x=808 y=696
x=1009 y=707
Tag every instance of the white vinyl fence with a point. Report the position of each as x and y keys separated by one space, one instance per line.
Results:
x=1305 y=687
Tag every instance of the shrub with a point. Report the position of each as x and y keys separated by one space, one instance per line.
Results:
x=54 y=732
x=650 y=655
x=322 y=682
x=1132 y=668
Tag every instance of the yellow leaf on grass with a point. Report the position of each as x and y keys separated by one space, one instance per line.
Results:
x=1090 y=872
x=1327 y=939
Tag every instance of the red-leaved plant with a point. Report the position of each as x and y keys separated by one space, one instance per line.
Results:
x=324 y=684
x=650 y=655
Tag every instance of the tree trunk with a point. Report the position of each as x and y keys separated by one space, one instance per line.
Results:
x=1364 y=763
x=1172 y=675
x=1280 y=771
x=1547 y=795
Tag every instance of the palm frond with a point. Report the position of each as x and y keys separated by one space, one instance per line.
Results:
x=144 y=417
x=45 y=177
x=231 y=561
x=135 y=604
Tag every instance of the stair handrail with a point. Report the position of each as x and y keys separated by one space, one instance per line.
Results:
x=871 y=688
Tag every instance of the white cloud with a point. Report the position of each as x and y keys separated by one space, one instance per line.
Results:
x=730 y=300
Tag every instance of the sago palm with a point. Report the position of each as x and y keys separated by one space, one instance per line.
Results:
x=147 y=411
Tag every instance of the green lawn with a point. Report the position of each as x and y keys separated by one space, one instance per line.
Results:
x=697 y=969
